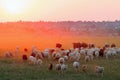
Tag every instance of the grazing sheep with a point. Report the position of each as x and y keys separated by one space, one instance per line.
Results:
x=101 y=53
x=76 y=65
x=65 y=58
x=90 y=52
x=17 y=51
x=114 y=51
x=39 y=55
x=72 y=56
x=8 y=54
x=99 y=70
x=63 y=67
x=58 y=67
x=53 y=55
x=77 y=56
x=33 y=54
x=84 y=68
x=57 y=56
x=50 y=66
x=83 y=51
x=24 y=57
x=34 y=51
x=46 y=53
x=67 y=51
x=39 y=62
x=61 y=61
x=32 y=59
x=118 y=50
x=87 y=58
x=108 y=54
x=96 y=54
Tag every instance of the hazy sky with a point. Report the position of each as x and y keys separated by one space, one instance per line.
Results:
x=57 y=10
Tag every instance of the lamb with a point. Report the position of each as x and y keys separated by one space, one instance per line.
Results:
x=76 y=65
x=99 y=70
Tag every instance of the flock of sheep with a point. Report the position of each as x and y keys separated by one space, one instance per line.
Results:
x=73 y=55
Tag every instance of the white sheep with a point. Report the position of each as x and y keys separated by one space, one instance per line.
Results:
x=72 y=56
x=114 y=51
x=65 y=58
x=108 y=54
x=77 y=56
x=63 y=67
x=39 y=62
x=87 y=58
x=83 y=51
x=76 y=65
x=46 y=54
x=99 y=70
x=58 y=67
x=32 y=59
x=90 y=53
x=61 y=60
x=57 y=55
x=118 y=50
x=97 y=54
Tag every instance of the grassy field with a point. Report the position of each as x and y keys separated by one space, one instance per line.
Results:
x=16 y=69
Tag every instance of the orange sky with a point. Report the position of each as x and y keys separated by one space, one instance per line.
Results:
x=57 y=10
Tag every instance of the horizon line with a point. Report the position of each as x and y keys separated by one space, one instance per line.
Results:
x=60 y=21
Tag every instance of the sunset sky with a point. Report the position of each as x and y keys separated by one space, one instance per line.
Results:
x=59 y=10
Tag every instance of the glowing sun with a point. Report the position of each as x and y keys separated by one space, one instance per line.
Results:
x=14 y=6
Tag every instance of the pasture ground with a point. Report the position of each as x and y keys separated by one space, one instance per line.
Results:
x=16 y=69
